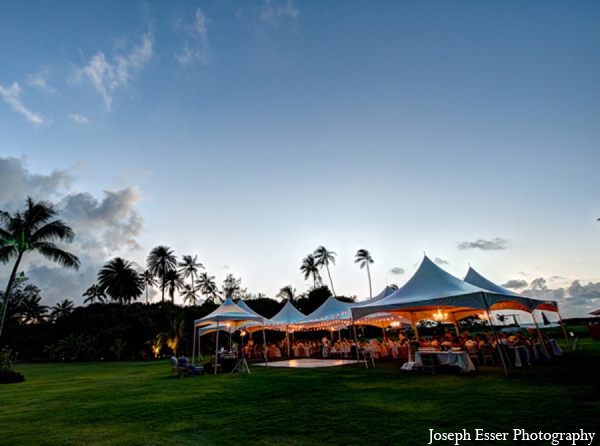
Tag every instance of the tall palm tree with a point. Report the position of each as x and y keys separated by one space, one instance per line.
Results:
x=172 y=281
x=119 y=279
x=94 y=293
x=363 y=258
x=208 y=287
x=189 y=268
x=309 y=268
x=323 y=258
x=62 y=309
x=33 y=230
x=160 y=260
x=147 y=280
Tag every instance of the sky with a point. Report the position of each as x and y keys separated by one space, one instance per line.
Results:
x=251 y=132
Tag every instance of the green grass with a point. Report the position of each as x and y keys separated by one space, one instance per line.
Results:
x=132 y=403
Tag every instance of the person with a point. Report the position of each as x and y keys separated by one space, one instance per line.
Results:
x=183 y=362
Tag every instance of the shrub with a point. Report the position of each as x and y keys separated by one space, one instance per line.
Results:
x=7 y=375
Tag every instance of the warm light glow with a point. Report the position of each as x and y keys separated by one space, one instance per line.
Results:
x=439 y=316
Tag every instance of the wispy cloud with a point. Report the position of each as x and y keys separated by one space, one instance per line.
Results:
x=439 y=261
x=107 y=77
x=274 y=11
x=485 y=245
x=397 y=270
x=38 y=80
x=11 y=95
x=199 y=49
x=79 y=119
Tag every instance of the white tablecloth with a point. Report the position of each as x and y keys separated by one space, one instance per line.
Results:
x=556 y=350
x=458 y=359
x=521 y=355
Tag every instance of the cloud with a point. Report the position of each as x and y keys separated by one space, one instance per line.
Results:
x=106 y=227
x=273 y=11
x=515 y=283
x=11 y=95
x=575 y=301
x=107 y=77
x=200 y=48
x=396 y=270
x=79 y=119
x=17 y=183
x=38 y=80
x=441 y=261
x=485 y=245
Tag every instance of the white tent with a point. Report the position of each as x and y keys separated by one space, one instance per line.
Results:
x=282 y=320
x=230 y=313
x=513 y=301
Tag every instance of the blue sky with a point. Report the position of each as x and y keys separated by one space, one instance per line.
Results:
x=250 y=133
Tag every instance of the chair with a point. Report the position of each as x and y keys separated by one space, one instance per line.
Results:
x=488 y=355
x=474 y=354
x=430 y=363
x=574 y=341
x=177 y=371
x=367 y=354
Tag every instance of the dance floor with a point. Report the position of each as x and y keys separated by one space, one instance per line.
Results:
x=310 y=363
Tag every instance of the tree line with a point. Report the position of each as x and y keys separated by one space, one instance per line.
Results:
x=114 y=322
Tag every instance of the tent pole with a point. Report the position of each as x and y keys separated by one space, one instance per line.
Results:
x=216 y=350
x=500 y=350
x=456 y=324
x=564 y=330
x=540 y=335
x=356 y=341
x=412 y=317
x=200 y=358
x=194 y=344
x=230 y=338
x=265 y=345
x=287 y=338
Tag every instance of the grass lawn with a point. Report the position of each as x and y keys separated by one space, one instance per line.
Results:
x=129 y=403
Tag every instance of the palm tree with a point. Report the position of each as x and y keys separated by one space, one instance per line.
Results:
x=62 y=309
x=29 y=306
x=160 y=260
x=287 y=293
x=33 y=230
x=94 y=293
x=208 y=286
x=363 y=257
x=147 y=280
x=189 y=293
x=119 y=279
x=323 y=257
x=172 y=281
x=309 y=268
x=173 y=337
x=189 y=268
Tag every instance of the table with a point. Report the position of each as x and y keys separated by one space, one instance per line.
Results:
x=521 y=355
x=556 y=350
x=458 y=359
x=274 y=352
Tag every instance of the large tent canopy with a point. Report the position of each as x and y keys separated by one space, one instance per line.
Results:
x=230 y=313
x=331 y=315
x=287 y=315
x=335 y=315
x=431 y=290
x=504 y=299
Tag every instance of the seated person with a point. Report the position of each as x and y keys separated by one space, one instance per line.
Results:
x=184 y=363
